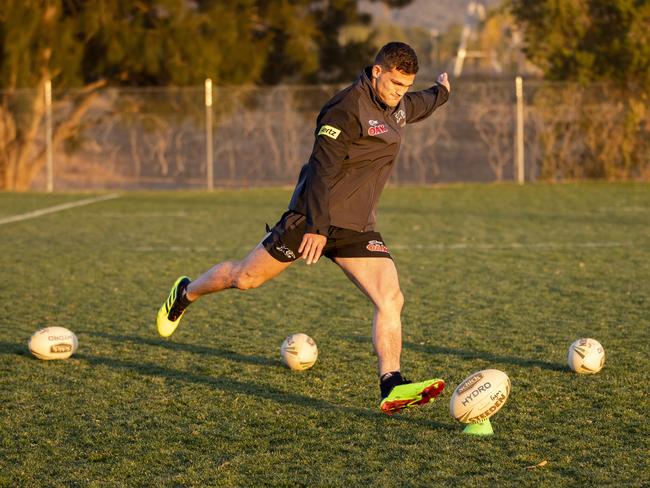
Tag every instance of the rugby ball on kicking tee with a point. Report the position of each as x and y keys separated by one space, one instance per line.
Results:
x=479 y=396
x=586 y=356
x=299 y=351
x=53 y=343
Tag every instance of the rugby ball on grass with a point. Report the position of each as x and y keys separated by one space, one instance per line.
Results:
x=53 y=343
x=479 y=396
x=299 y=351
x=586 y=356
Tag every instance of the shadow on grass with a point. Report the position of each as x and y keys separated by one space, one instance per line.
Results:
x=252 y=389
x=486 y=356
x=19 y=348
x=225 y=383
x=192 y=348
x=472 y=354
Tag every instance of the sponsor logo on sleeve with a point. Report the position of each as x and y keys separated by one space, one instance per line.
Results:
x=329 y=131
x=376 y=128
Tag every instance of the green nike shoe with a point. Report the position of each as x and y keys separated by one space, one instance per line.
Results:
x=410 y=394
x=171 y=312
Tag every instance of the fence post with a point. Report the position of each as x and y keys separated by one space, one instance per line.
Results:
x=209 y=152
x=49 y=157
x=519 y=145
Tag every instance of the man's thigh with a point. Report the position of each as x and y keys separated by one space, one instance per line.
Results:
x=376 y=277
x=260 y=266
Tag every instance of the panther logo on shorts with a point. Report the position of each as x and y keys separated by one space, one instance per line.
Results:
x=376 y=246
x=286 y=251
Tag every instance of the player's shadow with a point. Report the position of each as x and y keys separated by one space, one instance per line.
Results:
x=228 y=384
x=472 y=354
x=484 y=355
x=225 y=383
x=192 y=348
x=235 y=387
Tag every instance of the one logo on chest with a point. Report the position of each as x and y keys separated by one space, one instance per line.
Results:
x=399 y=116
x=376 y=128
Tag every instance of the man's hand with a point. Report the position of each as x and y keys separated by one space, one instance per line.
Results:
x=443 y=80
x=311 y=247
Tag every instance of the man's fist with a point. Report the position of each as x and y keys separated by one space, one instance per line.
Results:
x=443 y=80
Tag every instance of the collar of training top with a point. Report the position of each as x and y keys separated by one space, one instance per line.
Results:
x=364 y=79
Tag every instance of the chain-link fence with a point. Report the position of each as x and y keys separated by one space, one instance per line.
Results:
x=131 y=138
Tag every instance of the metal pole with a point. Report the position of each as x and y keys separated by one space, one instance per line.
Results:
x=434 y=35
x=49 y=158
x=209 y=156
x=519 y=90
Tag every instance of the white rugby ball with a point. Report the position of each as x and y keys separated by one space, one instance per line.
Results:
x=299 y=351
x=479 y=396
x=586 y=356
x=53 y=343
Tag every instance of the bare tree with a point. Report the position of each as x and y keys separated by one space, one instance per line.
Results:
x=494 y=124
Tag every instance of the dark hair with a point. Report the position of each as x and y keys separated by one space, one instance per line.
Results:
x=399 y=56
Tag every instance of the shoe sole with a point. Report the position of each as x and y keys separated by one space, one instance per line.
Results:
x=427 y=395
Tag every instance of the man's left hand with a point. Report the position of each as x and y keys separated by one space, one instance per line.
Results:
x=444 y=80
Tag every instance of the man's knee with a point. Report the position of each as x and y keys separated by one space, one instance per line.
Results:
x=245 y=280
x=391 y=301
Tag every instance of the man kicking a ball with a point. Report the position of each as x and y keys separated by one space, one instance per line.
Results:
x=332 y=212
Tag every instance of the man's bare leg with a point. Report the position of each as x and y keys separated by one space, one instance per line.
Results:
x=257 y=268
x=377 y=279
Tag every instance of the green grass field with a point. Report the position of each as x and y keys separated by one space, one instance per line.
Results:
x=495 y=276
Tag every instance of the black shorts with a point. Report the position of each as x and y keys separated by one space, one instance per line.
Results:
x=285 y=237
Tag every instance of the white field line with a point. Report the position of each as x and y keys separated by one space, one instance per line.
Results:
x=511 y=245
x=623 y=209
x=178 y=249
x=419 y=247
x=149 y=215
x=56 y=208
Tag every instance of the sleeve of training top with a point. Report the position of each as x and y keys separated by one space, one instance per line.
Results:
x=421 y=104
x=335 y=129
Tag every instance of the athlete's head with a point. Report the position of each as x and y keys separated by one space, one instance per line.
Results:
x=399 y=56
x=396 y=65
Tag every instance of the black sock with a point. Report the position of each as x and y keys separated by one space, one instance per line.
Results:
x=388 y=381
x=183 y=301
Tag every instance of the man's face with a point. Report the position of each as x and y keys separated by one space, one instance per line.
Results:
x=390 y=85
